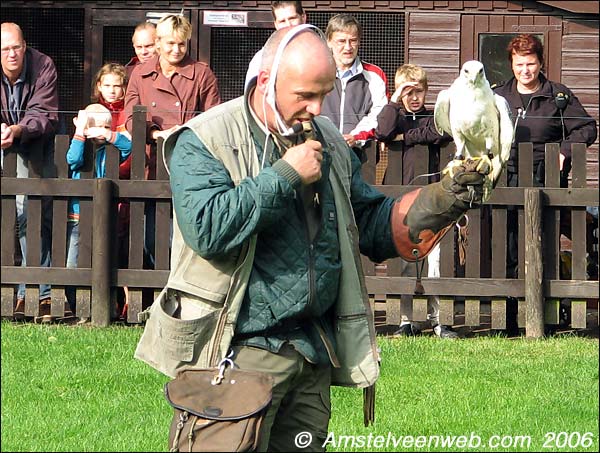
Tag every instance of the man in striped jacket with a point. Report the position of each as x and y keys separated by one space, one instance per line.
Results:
x=360 y=90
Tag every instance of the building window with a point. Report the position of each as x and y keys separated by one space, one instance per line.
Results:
x=493 y=55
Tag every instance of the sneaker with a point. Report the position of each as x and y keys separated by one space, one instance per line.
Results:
x=407 y=330
x=445 y=332
x=19 y=311
x=44 y=316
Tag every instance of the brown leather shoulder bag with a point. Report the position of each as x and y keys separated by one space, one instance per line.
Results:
x=219 y=409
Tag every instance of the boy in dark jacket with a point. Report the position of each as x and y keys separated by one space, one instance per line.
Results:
x=406 y=119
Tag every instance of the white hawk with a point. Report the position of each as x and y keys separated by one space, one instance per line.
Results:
x=478 y=120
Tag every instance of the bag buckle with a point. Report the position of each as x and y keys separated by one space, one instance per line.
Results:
x=218 y=378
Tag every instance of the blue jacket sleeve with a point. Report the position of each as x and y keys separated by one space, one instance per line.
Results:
x=75 y=153
x=123 y=144
x=214 y=215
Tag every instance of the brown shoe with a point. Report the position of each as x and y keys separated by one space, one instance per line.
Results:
x=19 y=311
x=44 y=316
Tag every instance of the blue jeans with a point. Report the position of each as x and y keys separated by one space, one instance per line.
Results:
x=21 y=206
x=46 y=246
x=72 y=258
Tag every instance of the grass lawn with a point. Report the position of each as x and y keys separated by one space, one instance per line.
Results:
x=70 y=388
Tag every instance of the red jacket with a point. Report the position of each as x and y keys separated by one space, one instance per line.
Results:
x=191 y=90
x=117 y=113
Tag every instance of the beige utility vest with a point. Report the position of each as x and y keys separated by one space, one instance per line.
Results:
x=220 y=284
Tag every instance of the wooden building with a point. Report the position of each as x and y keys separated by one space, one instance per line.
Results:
x=438 y=35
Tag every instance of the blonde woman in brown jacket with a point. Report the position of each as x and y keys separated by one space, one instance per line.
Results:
x=173 y=86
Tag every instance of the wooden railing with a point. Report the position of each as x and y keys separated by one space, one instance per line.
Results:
x=482 y=279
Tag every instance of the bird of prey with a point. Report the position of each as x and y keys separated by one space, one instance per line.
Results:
x=478 y=120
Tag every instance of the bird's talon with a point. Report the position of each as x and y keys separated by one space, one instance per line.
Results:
x=483 y=167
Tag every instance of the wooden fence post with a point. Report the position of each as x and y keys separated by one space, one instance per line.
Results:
x=534 y=296
x=101 y=250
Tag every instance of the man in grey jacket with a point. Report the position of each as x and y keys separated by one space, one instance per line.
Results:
x=271 y=215
x=360 y=89
x=29 y=122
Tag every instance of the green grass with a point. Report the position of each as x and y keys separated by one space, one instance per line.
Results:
x=79 y=389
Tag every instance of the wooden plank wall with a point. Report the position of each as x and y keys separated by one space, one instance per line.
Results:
x=434 y=43
x=579 y=72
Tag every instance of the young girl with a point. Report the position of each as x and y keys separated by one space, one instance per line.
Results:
x=108 y=89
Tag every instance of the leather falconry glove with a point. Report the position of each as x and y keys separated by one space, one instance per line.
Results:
x=421 y=218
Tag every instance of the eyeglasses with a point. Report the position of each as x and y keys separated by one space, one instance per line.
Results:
x=342 y=42
x=15 y=49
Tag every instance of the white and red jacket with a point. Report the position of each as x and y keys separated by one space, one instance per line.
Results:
x=354 y=103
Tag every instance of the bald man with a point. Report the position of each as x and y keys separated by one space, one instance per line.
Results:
x=269 y=204
x=144 y=45
x=29 y=122
x=285 y=14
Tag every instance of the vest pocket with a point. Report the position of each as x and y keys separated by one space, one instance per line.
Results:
x=216 y=274
x=359 y=366
x=169 y=343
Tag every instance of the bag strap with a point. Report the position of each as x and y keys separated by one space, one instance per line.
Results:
x=183 y=418
x=218 y=378
x=143 y=316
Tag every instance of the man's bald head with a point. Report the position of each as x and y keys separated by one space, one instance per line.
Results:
x=295 y=89
x=13 y=50
x=10 y=27
x=307 y=46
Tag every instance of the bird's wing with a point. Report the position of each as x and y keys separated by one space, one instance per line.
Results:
x=441 y=113
x=506 y=127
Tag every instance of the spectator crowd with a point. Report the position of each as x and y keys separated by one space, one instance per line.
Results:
x=176 y=88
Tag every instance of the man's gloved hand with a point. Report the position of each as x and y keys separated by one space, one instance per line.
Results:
x=421 y=218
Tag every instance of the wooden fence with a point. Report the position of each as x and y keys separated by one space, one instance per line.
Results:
x=481 y=280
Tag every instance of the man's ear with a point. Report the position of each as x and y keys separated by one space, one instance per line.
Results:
x=262 y=80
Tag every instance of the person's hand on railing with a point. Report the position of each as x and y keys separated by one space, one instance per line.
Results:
x=80 y=122
x=7 y=136
x=156 y=134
